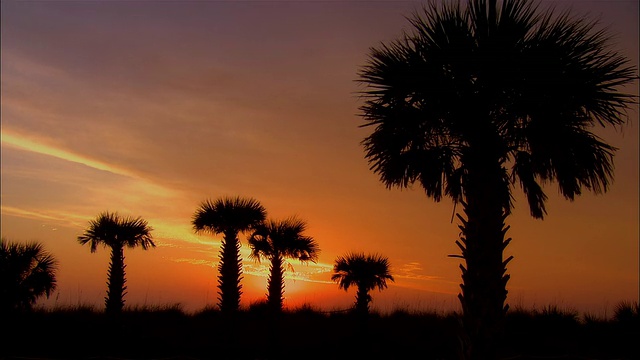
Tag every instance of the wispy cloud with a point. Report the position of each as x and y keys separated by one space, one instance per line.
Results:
x=413 y=270
x=11 y=139
x=307 y=272
x=70 y=219
x=304 y=272
x=38 y=145
x=193 y=261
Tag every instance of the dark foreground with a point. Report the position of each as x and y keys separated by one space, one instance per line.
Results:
x=169 y=333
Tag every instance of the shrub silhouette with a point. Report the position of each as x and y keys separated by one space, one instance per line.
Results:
x=115 y=232
x=277 y=241
x=229 y=216
x=168 y=332
x=628 y=313
x=27 y=272
x=365 y=272
x=480 y=97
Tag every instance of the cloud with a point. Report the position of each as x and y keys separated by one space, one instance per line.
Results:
x=193 y=261
x=38 y=145
x=412 y=270
x=307 y=272
x=12 y=139
x=70 y=219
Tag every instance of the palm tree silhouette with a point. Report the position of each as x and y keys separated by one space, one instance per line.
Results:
x=277 y=241
x=115 y=232
x=366 y=272
x=229 y=216
x=479 y=98
x=27 y=272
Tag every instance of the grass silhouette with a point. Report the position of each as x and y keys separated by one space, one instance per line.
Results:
x=169 y=332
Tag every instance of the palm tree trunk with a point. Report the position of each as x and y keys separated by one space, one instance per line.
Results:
x=362 y=300
x=482 y=242
x=230 y=270
x=114 y=302
x=275 y=285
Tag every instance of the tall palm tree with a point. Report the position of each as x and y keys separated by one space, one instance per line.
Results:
x=115 y=232
x=229 y=216
x=27 y=272
x=480 y=97
x=277 y=241
x=366 y=272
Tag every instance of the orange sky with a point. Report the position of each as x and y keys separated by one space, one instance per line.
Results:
x=150 y=109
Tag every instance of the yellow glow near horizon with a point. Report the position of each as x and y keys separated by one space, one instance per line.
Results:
x=171 y=235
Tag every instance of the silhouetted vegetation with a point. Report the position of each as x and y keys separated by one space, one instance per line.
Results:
x=229 y=216
x=628 y=314
x=168 y=332
x=479 y=97
x=365 y=272
x=111 y=230
x=27 y=272
x=277 y=241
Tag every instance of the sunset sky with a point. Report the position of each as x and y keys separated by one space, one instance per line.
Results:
x=149 y=108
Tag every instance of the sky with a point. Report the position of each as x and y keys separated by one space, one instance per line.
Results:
x=149 y=108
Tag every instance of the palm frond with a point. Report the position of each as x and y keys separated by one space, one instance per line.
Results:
x=284 y=237
x=28 y=272
x=503 y=80
x=110 y=229
x=137 y=232
x=369 y=271
x=225 y=213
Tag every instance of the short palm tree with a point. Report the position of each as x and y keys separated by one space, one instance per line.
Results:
x=27 y=272
x=277 y=241
x=229 y=216
x=366 y=272
x=116 y=232
x=479 y=98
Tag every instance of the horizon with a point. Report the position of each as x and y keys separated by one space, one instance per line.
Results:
x=148 y=111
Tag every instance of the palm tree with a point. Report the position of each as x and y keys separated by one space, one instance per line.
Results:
x=27 y=272
x=478 y=98
x=277 y=241
x=366 y=272
x=229 y=216
x=115 y=232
